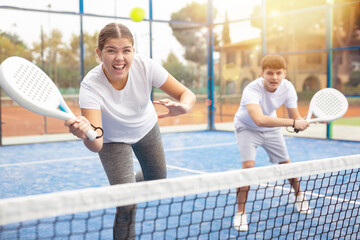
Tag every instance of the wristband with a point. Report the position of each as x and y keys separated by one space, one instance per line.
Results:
x=293 y=124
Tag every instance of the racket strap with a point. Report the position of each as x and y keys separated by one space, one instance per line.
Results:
x=293 y=127
x=98 y=128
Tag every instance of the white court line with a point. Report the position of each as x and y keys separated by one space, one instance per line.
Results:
x=202 y=146
x=178 y=168
x=312 y=194
x=93 y=157
x=47 y=161
x=185 y=169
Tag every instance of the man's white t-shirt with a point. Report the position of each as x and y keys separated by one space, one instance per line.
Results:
x=127 y=114
x=255 y=93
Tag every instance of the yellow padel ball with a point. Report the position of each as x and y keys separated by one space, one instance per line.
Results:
x=137 y=14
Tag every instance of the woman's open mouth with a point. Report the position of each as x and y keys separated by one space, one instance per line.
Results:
x=119 y=67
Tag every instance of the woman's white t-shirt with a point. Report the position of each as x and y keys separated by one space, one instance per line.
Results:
x=255 y=93
x=127 y=114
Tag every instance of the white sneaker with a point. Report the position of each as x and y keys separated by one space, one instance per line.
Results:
x=302 y=206
x=240 y=222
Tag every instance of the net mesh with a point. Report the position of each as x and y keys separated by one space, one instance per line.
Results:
x=200 y=206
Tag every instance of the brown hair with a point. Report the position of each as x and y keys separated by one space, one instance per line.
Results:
x=273 y=62
x=114 y=30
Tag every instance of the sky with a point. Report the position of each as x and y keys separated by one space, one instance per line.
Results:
x=28 y=25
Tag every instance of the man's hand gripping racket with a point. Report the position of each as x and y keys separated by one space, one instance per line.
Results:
x=326 y=105
x=32 y=89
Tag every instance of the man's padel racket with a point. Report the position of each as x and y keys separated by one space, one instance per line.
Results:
x=32 y=89
x=326 y=105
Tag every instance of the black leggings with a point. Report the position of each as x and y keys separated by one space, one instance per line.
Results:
x=117 y=160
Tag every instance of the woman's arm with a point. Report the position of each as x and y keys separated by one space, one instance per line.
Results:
x=175 y=89
x=81 y=125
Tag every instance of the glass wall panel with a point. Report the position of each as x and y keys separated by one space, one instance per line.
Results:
x=275 y=7
x=115 y=8
x=57 y=5
x=346 y=24
x=182 y=50
x=346 y=78
x=51 y=41
x=48 y=33
x=236 y=10
x=295 y=31
x=346 y=71
x=307 y=71
x=164 y=9
x=238 y=65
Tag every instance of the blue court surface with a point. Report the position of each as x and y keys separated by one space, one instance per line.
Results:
x=51 y=167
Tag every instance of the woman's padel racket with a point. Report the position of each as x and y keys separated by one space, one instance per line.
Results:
x=326 y=105
x=32 y=89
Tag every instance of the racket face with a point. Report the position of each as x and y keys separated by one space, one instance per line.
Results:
x=28 y=85
x=31 y=88
x=328 y=104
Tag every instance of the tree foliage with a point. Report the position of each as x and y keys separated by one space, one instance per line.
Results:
x=11 y=45
x=60 y=60
x=193 y=38
x=226 y=31
x=178 y=70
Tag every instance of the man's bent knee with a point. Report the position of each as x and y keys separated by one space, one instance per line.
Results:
x=285 y=162
x=248 y=164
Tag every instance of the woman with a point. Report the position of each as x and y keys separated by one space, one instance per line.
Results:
x=115 y=96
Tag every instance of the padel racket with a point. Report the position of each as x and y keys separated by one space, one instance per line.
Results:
x=32 y=89
x=326 y=105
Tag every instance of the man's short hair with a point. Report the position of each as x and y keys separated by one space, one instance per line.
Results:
x=273 y=62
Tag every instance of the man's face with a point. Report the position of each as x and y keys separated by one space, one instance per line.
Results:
x=273 y=78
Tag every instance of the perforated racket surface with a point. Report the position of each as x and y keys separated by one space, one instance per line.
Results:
x=32 y=89
x=327 y=105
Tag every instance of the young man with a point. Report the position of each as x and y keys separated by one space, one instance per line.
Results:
x=256 y=124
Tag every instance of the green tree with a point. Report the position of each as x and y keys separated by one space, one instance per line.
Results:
x=91 y=58
x=11 y=45
x=61 y=60
x=47 y=53
x=226 y=31
x=69 y=63
x=193 y=38
x=70 y=59
x=178 y=70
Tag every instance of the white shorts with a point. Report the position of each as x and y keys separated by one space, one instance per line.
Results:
x=273 y=142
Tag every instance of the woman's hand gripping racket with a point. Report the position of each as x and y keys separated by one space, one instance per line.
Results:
x=326 y=105
x=32 y=89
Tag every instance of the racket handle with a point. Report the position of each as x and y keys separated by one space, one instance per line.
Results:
x=91 y=134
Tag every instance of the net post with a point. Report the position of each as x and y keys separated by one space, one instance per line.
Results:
x=210 y=64
x=329 y=43
x=81 y=13
x=150 y=39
